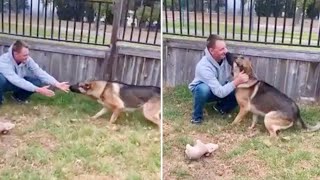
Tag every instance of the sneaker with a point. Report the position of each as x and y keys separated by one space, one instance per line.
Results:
x=198 y=121
x=218 y=110
x=19 y=100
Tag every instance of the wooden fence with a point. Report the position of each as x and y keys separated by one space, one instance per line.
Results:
x=74 y=63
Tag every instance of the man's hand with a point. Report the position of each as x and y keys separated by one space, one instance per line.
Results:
x=45 y=91
x=241 y=78
x=64 y=86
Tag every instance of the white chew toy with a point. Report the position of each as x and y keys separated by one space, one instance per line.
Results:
x=199 y=149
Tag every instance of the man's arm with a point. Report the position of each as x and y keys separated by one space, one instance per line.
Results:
x=40 y=73
x=208 y=77
x=8 y=72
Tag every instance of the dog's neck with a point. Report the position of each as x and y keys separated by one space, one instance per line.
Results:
x=102 y=93
x=250 y=83
x=253 y=80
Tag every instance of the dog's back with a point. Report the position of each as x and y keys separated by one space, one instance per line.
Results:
x=267 y=98
x=135 y=96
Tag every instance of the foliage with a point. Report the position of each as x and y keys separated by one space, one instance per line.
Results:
x=14 y=5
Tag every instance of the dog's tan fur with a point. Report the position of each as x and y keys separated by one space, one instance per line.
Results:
x=108 y=94
x=275 y=118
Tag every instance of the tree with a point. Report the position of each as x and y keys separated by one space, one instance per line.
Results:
x=74 y=9
x=143 y=14
x=313 y=9
x=106 y=10
x=169 y=4
x=15 y=5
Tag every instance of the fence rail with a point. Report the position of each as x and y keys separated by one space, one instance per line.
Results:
x=78 y=21
x=285 y=22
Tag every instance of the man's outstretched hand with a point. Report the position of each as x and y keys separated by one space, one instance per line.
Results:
x=45 y=91
x=64 y=86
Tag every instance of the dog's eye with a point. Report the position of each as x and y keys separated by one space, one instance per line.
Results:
x=87 y=86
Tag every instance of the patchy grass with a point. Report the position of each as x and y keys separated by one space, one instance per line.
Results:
x=243 y=153
x=54 y=138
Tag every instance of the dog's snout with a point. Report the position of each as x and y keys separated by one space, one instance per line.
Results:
x=75 y=88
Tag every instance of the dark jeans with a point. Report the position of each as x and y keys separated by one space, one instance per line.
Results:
x=202 y=95
x=18 y=93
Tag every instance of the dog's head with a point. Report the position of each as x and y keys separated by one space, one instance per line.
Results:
x=90 y=88
x=243 y=64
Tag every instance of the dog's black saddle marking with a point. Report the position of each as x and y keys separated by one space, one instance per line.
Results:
x=135 y=96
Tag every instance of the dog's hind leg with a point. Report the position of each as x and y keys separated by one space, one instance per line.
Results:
x=151 y=111
x=275 y=121
x=254 y=121
x=155 y=118
x=100 y=113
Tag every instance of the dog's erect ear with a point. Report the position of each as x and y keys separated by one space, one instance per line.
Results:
x=247 y=67
x=230 y=58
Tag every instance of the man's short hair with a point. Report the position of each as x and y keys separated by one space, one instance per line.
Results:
x=212 y=39
x=18 y=45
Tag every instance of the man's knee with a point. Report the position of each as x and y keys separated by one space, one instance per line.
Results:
x=202 y=91
x=35 y=81
x=3 y=81
x=232 y=96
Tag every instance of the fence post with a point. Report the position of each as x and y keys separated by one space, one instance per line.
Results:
x=111 y=55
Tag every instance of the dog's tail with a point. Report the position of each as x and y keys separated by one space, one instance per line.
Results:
x=308 y=127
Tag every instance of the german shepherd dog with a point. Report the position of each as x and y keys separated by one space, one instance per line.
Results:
x=119 y=97
x=262 y=99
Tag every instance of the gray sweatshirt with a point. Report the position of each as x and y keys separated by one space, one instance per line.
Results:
x=217 y=77
x=15 y=73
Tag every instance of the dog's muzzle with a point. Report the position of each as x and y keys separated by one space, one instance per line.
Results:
x=75 y=88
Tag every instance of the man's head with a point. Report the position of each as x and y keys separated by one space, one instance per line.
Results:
x=20 y=51
x=217 y=47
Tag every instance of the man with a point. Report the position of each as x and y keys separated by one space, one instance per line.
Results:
x=22 y=75
x=212 y=80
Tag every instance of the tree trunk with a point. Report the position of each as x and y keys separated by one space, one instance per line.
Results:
x=297 y=17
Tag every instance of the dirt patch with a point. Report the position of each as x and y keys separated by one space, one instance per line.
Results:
x=48 y=141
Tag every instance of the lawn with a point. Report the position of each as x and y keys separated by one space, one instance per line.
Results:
x=55 y=138
x=243 y=153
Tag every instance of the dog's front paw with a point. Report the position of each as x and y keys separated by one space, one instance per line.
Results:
x=93 y=118
x=113 y=127
x=234 y=123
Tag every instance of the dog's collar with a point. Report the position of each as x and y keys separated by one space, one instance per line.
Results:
x=102 y=93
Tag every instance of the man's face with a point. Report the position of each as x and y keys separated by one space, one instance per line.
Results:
x=219 y=51
x=21 y=56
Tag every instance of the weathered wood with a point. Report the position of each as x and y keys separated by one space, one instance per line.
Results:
x=140 y=52
x=137 y=70
x=75 y=66
x=249 y=50
x=55 y=47
x=111 y=56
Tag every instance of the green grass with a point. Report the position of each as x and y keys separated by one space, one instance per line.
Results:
x=241 y=155
x=54 y=138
